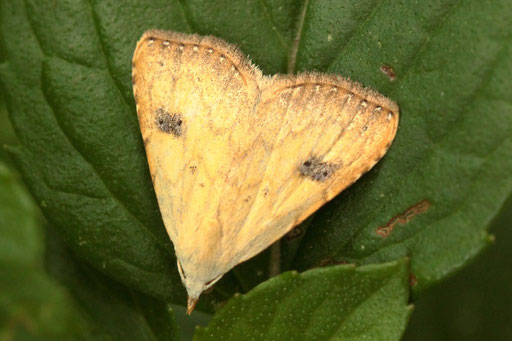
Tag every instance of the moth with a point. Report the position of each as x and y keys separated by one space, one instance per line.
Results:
x=238 y=159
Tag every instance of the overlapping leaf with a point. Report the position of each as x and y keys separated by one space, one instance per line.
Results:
x=335 y=303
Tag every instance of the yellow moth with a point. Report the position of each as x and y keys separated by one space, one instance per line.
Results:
x=237 y=158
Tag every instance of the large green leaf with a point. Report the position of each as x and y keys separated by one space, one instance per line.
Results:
x=475 y=304
x=113 y=311
x=67 y=81
x=335 y=303
x=80 y=150
x=30 y=302
x=34 y=306
x=454 y=145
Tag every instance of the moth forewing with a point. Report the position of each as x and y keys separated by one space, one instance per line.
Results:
x=238 y=159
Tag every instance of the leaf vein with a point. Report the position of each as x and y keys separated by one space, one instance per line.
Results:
x=500 y=56
x=292 y=59
x=274 y=26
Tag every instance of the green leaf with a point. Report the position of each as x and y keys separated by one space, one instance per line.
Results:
x=335 y=303
x=454 y=144
x=475 y=303
x=31 y=304
x=7 y=135
x=66 y=76
x=80 y=152
x=114 y=312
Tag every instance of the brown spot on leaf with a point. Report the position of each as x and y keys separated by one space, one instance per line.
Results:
x=412 y=280
x=388 y=71
x=403 y=218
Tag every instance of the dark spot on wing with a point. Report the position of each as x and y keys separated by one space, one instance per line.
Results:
x=170 y=123
x=317 y=170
